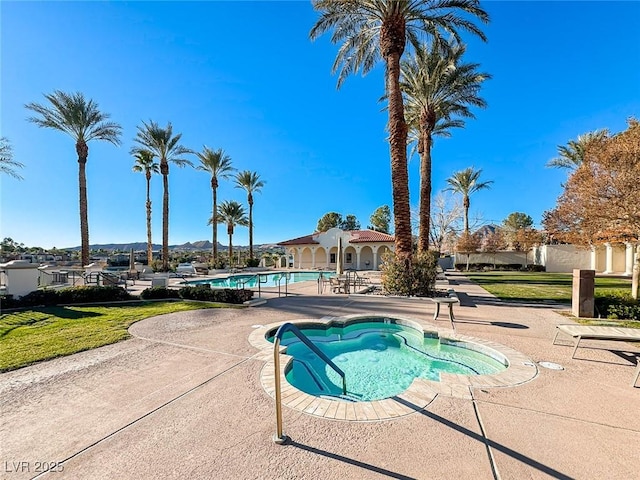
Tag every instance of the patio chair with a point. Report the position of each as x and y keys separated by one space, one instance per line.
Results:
x=597 y=332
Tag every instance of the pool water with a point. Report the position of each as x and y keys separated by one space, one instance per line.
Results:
x=379 y=360
x=266 y=279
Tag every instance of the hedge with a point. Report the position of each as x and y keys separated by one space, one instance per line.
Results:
x=83 y=294
x=199 y=292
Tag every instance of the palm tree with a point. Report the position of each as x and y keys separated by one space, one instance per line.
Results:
x=231 y=213
x=218 y=164
x=465 y=182
x=83 y=121
x=437 y=87
x=145 y=164
x=251 y=183
x=374 y=29
x=572 y=155
x=164 y=145
x=7 y=163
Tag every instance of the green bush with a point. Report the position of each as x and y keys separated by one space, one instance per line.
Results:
x=157 y=293
x=415 y=278
x=203 y=293
x=618 y=306
x=84 y=294
x=253 y=262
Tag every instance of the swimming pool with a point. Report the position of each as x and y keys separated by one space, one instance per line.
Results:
x=267 y=279
x=380 y=357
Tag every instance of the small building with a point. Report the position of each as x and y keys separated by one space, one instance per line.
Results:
x=361 y=249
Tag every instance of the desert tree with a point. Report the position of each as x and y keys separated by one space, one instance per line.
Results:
x=439 y=88
x=8 y=165
x=145 y=163
x=466 y=182
x=82 y=120
x=600 y=202
x=251 y=183
x=165 y=146
x=217 y=164
x=231 y=214
x=371 y=30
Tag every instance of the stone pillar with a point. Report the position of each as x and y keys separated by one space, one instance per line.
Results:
x=582 y=304
x=357 y=258
x=629 y=258
x=313 y=257
x=594 y=258
x=609 y=258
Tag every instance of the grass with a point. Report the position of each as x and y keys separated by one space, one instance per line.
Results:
x=31 y=336
x=540 y=287
x=546 y=287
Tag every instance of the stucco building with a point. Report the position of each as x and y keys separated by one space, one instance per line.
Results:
x=361 y=249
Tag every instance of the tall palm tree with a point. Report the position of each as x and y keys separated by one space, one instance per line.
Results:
x=83 y=121
x=218 y=164
x=571 y=156
x=145 y=164
x=7 y=164
x=438 y=90
x=374 y=29
x=466 y=182
x=231 y=213
x=250 y=182
x=164 y=145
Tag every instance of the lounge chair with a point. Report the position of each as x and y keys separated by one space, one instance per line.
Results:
x=580 y=332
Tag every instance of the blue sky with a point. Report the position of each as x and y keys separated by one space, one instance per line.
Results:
x=244 y=77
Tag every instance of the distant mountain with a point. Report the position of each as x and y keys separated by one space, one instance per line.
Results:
x=189 y=246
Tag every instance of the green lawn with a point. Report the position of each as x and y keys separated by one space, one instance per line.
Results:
x=545 y=287
x=540 y=287
x=39 y=334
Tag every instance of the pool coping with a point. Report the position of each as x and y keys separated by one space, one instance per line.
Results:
x=418 y=396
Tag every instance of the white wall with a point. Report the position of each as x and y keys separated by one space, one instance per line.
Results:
x=564 y=258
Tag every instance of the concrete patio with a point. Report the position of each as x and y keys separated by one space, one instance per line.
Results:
x=183 y=399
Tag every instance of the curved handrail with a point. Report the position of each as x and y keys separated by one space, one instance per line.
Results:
x=290 y=327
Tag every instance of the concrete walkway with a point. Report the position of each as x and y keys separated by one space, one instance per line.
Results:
x=182 y=399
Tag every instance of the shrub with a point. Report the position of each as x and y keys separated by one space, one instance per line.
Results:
x=253 y=262
x=84 y=294
x=207 y=294
x=156 y=293
x=91 y=294
x=203 y=293
x=418 y=277
x=618 y=306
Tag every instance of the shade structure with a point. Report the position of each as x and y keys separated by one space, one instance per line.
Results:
x=339 y=269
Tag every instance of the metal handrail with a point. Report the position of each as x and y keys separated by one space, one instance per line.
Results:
x=279 y=437
x=286 y=276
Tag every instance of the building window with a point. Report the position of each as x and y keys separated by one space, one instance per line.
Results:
x=348 y=260
x=332 y=258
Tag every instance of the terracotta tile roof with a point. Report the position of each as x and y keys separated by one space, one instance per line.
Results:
x=362 y=236
x=306 y=240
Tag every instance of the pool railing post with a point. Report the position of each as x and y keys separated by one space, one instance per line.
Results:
x=279 y=437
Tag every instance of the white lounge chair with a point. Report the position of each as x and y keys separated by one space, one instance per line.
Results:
x=580 y=332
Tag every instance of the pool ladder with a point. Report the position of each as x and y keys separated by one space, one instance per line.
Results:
x=279 y=437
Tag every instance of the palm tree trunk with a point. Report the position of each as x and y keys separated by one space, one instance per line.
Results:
x=214 y=221
x=466 y=203
x=250 y=201
x=164 y=167
x=398 y=148
x=83 y=152
x=230 y=232
x=425 y=192
x=149 y=240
